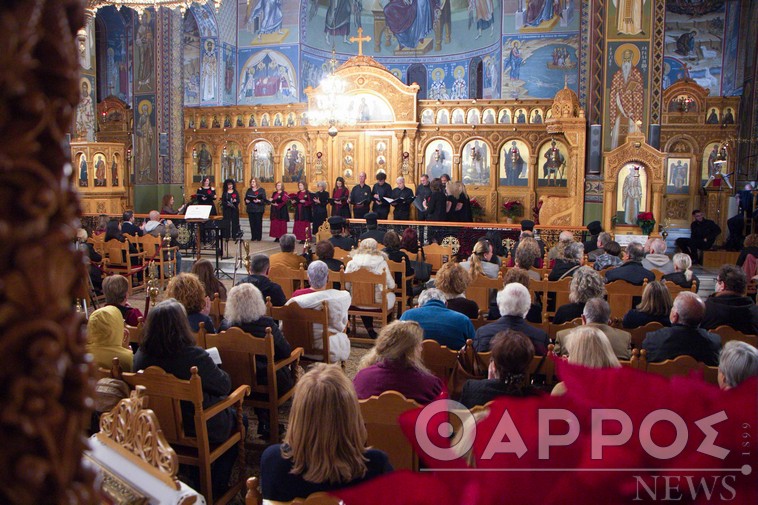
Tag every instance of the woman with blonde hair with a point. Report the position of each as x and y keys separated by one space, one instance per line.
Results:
x=246 y=310
x=682 y=274
x=585 y=285
x=190 y=292
x=479 y=261
x=452 y=279
x=588 y=347
x=394 y=364
x=655 y=306
x=459 y=204
x=369 y=257
x=204 y=270
x=325 y=447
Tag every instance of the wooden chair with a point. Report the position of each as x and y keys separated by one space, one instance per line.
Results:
x=238 y=351
x=553 y=329
x=621 y=295
x=437 y=255
x=480 y=290
x=135 y=332
x=551 y=290
x=675 y=289
x=634 y=361
x=658 y=274
x=118 y=260
x=288 y=278
x=341 y=255
x=335 y=278
x=362 y=284
x=679 y=366
x=542 y=366
x=164 y=256
x=165 y=393
x=401 y=288
x=217 y=310
x=299 y=327
x=254 y=497
x=439 y=359
x=639 y=333
x=481 y=320
x=380 y=415
x=728 y=333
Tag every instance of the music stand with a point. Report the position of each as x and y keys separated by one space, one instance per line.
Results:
x=198 y=214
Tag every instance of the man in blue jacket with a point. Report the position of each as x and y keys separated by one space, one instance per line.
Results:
x=446 y=326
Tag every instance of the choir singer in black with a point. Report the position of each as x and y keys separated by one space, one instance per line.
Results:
x=402 y=197
x=360 y=197
x=379 y=192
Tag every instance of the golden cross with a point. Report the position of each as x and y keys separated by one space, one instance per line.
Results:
x=360 y=39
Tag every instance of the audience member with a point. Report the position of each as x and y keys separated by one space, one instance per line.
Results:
x=395 y=364
x=368 y=257
x=573 y=257
x=93 y=260
x=512 y=353
x=479 y=261
x=683 y=275
x=159 y=227
x=602 y=240
x=684 y=337
x=190 y=292
x=655 y=306
x=259 y=267
x=527 y=257
x=325 y=253
x=340 y=234
x=729 y=305
x=565 y=238
x=631 y=270
x=452 y=279
x=609 y=257
x=586 y=284
x=204 y=270
x=703 y=233
x=246 y=310
x=338 y=302
x=107 y=339
x=448 y=327
x=168 y=342
x=738 y=362
x=522 y=277
x=287 y=257
x=371 y=228
x=513 y=301
x=116 y=289
x=592 y=242
x=128 y=226
x=657 y=258
x=393 y=252
x=326 y=446
x=597 y=314
x=409 y=241
x=750 y=247
x=588 y=347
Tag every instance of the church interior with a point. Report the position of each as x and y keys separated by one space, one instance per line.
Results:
x=636 y=118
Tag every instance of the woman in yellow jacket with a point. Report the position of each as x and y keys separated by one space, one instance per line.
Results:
x=106 y=338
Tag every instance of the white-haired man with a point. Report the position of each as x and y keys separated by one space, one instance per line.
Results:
x=657 y=259
x=513 y=302
x=738 y=362
x=403 y=197
x=597 y=314
x=446 y=326
x=337 y=302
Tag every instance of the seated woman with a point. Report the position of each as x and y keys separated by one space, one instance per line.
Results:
x=189 y=291
x=115 y=290
x=393 y=252
x=512 y=352
x=409 y=243
x=338 y=302
x=655 y=306
x=749 y=247
x=589 y=347
x=585 y=284
x=204 y=270
x=367 y=256
x=526 y=256
x=325 y=253
x=325 y=447
x=452 y=279
x=394 y=364
x=106 y=338
x=246 y=310
x=738 y=362
x=167 y=342
x=572 y=260
x=611 y=257
x=682 y=274
x=167 y=206
x=479 y=262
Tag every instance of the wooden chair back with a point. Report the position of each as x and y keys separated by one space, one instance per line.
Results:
x=289 y=279
x=135 y=332
x=658 y=274
x=553 y=329
x=238 y=351
x=300 y=326
x=542 y=366
x=165 y=393
x=621 y=295
x=437 y=255
x=679 y=366
x=439 y=359
x=363 y=288
x=117 y=259
x=254 y=497
x=98 y=242
x=728 y=333
x=551 y=290
x=164 y=256
x=675 y=289
x=341 y=255
x=335 y=278
x=380 y=415
x=634 y=361
x=398 y=269
x=217 y=311
x=481 y=289
x=639 y=333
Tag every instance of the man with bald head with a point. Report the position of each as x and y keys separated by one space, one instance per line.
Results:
x=360 y=197
x=684 y=337
x=158 y=227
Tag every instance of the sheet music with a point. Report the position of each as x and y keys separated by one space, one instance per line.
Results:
x=198 y=212
x=215 y=356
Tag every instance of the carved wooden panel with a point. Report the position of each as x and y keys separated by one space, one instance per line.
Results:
x=677 y=209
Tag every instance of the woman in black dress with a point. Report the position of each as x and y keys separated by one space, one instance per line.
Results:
x=340 y=195
x=255 y=204
x=320 y=199
x=206 y=194
x=460 y=211
x=435 y=205
x=230 y=204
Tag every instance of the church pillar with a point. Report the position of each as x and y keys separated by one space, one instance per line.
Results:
x=657 y=202
x=609 y=204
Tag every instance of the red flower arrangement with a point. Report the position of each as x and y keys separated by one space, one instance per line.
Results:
x=512 y=208
x=477 y=211
x=646 y=221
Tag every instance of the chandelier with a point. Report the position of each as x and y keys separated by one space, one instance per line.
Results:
x=332 y=106
x=141 y=5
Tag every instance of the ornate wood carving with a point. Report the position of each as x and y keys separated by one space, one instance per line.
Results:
x=677 y=209
x=44 y=374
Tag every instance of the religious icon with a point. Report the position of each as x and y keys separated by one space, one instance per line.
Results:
x=631 y=196
x=278 y=119
x=204 y=160
x=231 y=163
x=514 y=164
x=262 y=161
x=443 y=116
x=240 y=123
x=99 y=162
x=536 y=117
x=216 y=123
x=438 y=158
x=553 y=161
x=265 y=119
x=290 y=119
x=114 y=171
x=83 y=178
x=476 y=163
x=728 y=116
x=427 y=116
x=458 y=116
x=294 y=163
x=489 y=117
x=713 y=117
x=627 y=93
x=473 y=117
x=504 y=117
x=227 y=121
x=710 y=165
x=251 y=123
x=678 y=176
x=520 y=116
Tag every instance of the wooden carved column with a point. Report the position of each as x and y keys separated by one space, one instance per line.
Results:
x=44 y=388
x=658 y=201
x=609 y=203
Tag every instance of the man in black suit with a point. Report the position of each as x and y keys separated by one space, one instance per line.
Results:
x=703 y=233
x=360 y=197
x=379 y=192
x=128 y=226
x=340 y=236
x=403 y=208
x=729 y=305
x=595 y=228
x=631 y=270
x=684 y=338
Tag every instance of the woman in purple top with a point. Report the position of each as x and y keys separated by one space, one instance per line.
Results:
x=394 y=364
